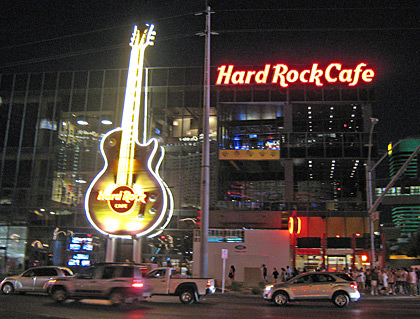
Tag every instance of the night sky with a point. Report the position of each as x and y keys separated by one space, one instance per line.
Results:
x=61 y=35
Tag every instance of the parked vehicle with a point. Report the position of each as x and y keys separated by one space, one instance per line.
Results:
x=167 y=281
x=119 y=282
x=33 y=279
x=339 y=288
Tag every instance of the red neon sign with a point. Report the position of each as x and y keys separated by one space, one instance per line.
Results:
x=282 y=75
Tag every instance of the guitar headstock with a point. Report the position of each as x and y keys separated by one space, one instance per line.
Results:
x=143 y=40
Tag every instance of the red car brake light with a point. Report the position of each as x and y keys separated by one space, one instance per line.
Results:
x=137 y=283
x=353 y=285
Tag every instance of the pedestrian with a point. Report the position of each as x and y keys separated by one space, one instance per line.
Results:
x=368 y=277
x=374 y=282
x=275 y=274
x=232 y=273
x=283 y=275
x=405 y=282
x=288 y=272
x=384 y=279
x=391 y=281
x=418 y=280
x=399 y=275
x=264 y=272
x=412 y=281
x=360 y=279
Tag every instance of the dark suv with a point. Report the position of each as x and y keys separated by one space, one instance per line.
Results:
x=118 y=282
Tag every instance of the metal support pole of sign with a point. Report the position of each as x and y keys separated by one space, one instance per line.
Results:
x=137 y=249
x=110 y=249
x=223 y=275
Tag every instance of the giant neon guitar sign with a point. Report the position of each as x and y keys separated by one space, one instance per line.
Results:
x=128 y=197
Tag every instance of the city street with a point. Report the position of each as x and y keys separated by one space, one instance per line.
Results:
x=216 y=306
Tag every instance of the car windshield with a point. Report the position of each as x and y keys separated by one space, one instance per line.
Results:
x=67 y=272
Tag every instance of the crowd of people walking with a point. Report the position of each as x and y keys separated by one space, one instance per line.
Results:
x=388 y=281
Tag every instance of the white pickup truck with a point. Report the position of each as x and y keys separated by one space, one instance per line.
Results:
x=167 y=281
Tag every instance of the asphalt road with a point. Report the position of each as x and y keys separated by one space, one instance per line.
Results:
x=216 y=306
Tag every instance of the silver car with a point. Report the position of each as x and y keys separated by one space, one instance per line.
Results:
x=33 y=279
x=339 y=288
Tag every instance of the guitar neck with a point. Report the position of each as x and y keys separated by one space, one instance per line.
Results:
x=130 y=118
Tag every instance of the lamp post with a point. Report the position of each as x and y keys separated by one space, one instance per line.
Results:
x=369 y=191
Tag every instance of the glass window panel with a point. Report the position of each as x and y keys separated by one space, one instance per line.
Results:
x=6 y=82
x=94 y=100
x=65 y=80
x=80 y=80
x=15 y=125
x=36 y=81
x=30 y=124
x=95 y=79
x=20 y=82
x=50 y=81
x=111 y=78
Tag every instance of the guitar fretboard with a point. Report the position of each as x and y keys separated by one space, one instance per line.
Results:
x=131 y=111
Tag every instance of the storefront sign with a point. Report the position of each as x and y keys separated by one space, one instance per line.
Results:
x=283 y=75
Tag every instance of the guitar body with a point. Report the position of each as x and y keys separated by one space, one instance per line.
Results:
x=127 y=210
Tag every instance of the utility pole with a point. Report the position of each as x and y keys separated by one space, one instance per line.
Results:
x=205 y=162
x=369 y=189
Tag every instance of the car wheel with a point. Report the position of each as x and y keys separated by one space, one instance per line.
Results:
x=59 y=295
x=7 y=288
x=187 y=296
x=280 y=298
x=117 y=298
x=341 y=300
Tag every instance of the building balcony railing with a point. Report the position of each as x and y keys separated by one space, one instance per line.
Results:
x=317 y=208
x=309 y=144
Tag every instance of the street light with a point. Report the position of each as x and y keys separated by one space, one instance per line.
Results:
x=369 y=191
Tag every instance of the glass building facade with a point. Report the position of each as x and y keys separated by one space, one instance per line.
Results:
x=273 y=151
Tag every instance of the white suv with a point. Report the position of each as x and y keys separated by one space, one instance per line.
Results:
x=118 y=282
x=33 y=279
x=339 y=288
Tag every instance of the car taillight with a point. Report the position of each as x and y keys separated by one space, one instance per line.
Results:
x=353 y=285
x=137 y=283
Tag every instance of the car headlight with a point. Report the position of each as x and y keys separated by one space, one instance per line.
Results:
x=268 y=288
